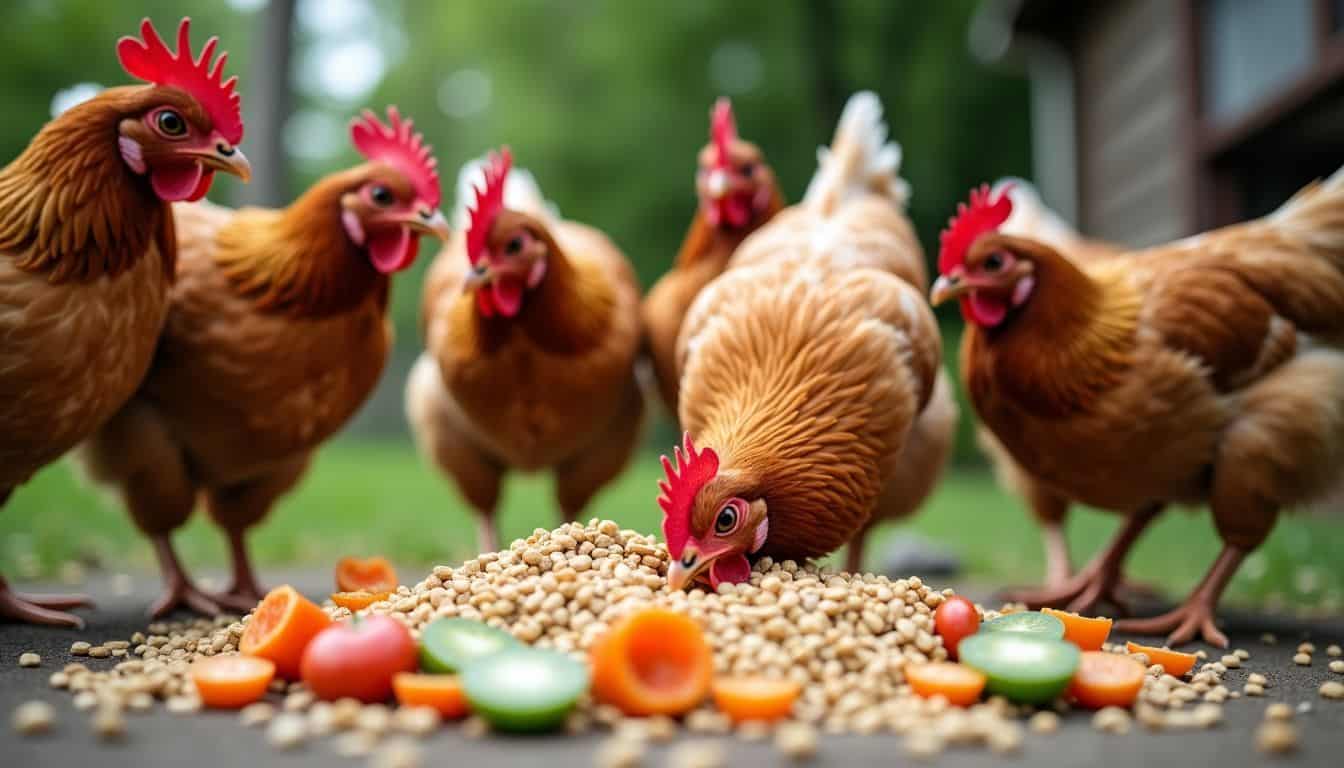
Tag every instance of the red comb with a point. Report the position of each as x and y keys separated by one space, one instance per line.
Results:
x=723 y=129
x=397 y=144
x=981 y=216
x=150 y=60
x=683 y=482
x=489 y=202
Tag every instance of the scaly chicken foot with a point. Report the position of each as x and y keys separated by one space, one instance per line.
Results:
x=1199 y=611
x=243 y=592
x=41 y=609
x=1057 y=565
x=1099 y=580
x=178 y=591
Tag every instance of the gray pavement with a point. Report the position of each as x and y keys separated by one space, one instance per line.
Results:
x=216 y=739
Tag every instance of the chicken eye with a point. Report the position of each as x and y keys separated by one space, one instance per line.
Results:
x=381 y=196
x=170 y=123
x=994 y=262
x=514 y=246
x=726 y=519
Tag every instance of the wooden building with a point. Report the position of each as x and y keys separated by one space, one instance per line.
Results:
x=1154 y=119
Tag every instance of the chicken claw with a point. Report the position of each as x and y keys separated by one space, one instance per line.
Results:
x=178 y=591
x=1198 y=612
x=41 y=609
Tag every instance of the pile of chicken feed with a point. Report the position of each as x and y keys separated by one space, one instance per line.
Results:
x=845 y=638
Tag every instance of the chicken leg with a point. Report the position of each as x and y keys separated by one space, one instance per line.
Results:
x=243 y=592
x=241 y=505
x=1197 y=613
x=178 y=590
x=1099 y=579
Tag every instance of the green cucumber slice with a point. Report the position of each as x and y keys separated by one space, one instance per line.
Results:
x=1021 y=666
x=448 y=645
x=524 y=689
x=1028 y=622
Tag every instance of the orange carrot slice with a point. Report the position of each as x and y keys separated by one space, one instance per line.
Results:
x=1087 y=633
x=280 y=628
x=1106 y=680
x=442 y=692
x=755 y=698
x=358 y=600
x=959 y=684
x=1174 y=662
x=231 y=682
x=653 y=662
x=374 y=574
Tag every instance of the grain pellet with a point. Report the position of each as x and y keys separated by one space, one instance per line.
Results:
x=287 y=731
x=619 y=752
x=256 y=714
x=1276 y=737
x=398 y=753
x=30 y=660
x=1337 y=666
x=109 y=724
x=1279 y=711
x=1332 y=690
x=796 y=741
x=33 y=718
x=1334 y=651
x=1302 y=659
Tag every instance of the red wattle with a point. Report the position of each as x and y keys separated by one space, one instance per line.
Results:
x=392 y=250
x=507 y=294
x=733 y=569
x=207 y=179
x=986 y=311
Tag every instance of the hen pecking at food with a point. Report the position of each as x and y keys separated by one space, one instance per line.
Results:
x=738 y=193
x=531 y=329
x=1033 y=219
x=276 y=334
x=87 y=253
x=1206 y=370
x=812 y=392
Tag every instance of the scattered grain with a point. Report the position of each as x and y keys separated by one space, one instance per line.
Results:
x=1279 y=711
x=30 y=659
x=1252 y=689
x=1231 y=661
x=80 y=648
x=256 y=714
x=1307 y=648
x=109 y=724
x=1044 y=721
x=696 y=754
x=398 y=753
x=619 y=752
x=1276 y=737
x=287 y=731
x=355 y=744
x=1111 y=720
x=1258 y=679
x=1302 y=659
x=1334 y=651
x=33 y=718
x=796 y=741
x=1332 y=690
x=475 y=728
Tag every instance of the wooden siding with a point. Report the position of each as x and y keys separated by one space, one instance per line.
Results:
x=1133 y=156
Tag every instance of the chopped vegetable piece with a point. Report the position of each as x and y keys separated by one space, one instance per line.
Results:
x=358 y=659
x=652 y=662
x=1175 y=663
x=954 y=619
x=1089 y=634
x=1106 y=680
x=441 y=692
x=447 y=645
x=358 y=600
x=1027 y=622
x=1022 y=666
x=280 y=629
x=755 y=698
x=957 y=683
x=374 y=574
x=231 y=682
x=524 y=689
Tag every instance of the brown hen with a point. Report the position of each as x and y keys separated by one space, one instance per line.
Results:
x=276 y=334
x=531 y=330
x=1207 y=370
x=811 y=376
x=738 y=193
x=87 y=252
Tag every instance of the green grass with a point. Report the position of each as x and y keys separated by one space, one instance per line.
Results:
x=364 y=498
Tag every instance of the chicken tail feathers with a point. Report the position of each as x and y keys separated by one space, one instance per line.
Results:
x=521 y=193
x=859 y=160
x=1315 y=215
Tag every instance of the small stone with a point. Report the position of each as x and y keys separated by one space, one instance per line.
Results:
x=1044 y=721
x=30 y=660
x=796 y=741
x=287 y=731
x=1302 y=659
x=256 y=714
x=1332 y=690
x=1276 y=737
x=33 y=718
